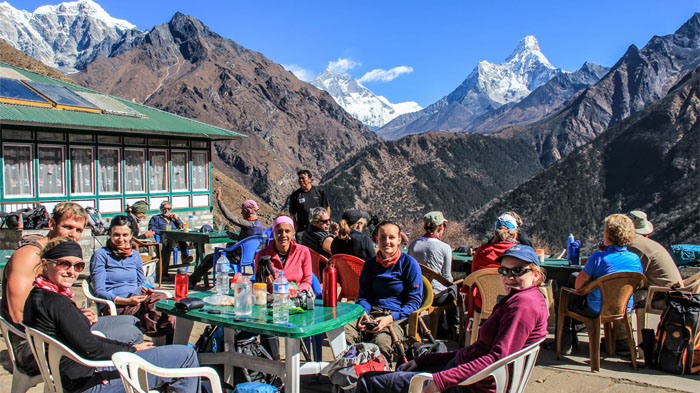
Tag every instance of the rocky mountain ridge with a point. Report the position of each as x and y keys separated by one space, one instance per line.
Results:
x=185 y=68
x=648 y=161
x=372 y=110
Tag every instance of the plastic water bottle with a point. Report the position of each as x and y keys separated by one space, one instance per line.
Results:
x=280 y=302
x=569 y=242
x=190 y=222
x=223 y=266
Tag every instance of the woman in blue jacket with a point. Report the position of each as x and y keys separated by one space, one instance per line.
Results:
x=391 y=288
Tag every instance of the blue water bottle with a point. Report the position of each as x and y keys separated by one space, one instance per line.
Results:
x=572 y=250
x=569 y=242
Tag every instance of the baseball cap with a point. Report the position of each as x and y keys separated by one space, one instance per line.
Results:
x=506 y=220
x=351 y=216
x=522 y=252
x=435 y=218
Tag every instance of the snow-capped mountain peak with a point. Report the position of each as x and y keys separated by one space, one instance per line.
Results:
x=84 y=7
x=66 y=36
x=371 y=109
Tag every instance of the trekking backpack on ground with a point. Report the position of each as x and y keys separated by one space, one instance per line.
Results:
x=676 y=346
x=347 y=367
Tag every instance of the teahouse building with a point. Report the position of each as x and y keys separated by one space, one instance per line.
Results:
x=64 y=142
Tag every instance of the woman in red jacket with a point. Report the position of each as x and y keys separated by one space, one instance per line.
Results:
x=517 y=321
x=288 y=256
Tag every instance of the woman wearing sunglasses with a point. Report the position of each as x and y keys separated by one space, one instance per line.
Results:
x=49 y=309
x=116 y=273
x=518 y=320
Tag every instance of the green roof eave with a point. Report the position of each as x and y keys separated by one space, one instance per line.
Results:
x=155 y=120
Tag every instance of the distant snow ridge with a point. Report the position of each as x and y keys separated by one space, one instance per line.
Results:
x=66 y=36
x=372 y=110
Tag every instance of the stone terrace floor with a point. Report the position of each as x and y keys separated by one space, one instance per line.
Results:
x=571 y=374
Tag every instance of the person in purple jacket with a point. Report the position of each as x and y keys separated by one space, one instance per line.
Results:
x=518 y=320
x=391 y=288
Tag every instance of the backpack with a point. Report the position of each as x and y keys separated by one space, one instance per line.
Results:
x=676 y=346
x=685 y=254
x=347 y=367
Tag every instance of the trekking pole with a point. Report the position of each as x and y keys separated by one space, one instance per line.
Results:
x=398 y=343
x=426 y=331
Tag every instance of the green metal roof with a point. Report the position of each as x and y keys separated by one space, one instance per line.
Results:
x=155 y=120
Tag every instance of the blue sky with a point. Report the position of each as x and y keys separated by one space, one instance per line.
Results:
x=436 y=43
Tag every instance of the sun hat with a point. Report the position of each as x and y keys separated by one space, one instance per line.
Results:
x=522 y=252
x=436 y=218
x=139 y=207
x=641 y=225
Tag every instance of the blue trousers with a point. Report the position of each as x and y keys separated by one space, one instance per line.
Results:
x=107 y=380
x=123 y=328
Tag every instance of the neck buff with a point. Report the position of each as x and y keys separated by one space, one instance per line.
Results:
x=282 y=219
x=250 y=210
x=121 y=252
x=65 y=249
x=388 y=261
x=44 y=283
x=432 y=235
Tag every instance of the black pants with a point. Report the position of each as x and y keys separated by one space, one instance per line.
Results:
x=399 y=381
x=447 y=296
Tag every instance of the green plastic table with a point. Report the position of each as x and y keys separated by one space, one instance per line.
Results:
x=309 y=323
x=199 y=239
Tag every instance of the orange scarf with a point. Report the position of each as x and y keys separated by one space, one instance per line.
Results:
x=390 y=261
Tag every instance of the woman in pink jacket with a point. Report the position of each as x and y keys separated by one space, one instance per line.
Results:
x=518 y=320
x=288 y=256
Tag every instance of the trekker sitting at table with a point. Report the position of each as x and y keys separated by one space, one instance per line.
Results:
x=116 y=273
x=49 y=309
x=350 y=239
x=137 y=212
x=68 y=219
x=168 y=221
x=391 y=288
x=249 y=226
x=505 y=237
x=518 y=320
x=288 y=256
x=320 y=234
x=618 y=232
x=435 y=254
x=521 y=237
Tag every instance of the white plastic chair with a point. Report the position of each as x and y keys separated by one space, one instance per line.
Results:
x=21 y=382
x=512 y=377
x=48 y=353
x=134 y=371
x=147 y=267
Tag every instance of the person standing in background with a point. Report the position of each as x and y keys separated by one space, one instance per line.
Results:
x=305 y=198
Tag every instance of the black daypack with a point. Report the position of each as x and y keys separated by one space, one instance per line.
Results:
x=676 y=346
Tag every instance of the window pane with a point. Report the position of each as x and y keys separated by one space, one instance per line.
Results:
x=109 y=170
x=158 y=142
x=81 y=138
x=51 y=136
x=200 y=144
x=130 y=140
x=179 y=170
x=17 y=134
x=17 y=170
x=200 y=171
x=179 y=142
x=133 y=178
x=109 y=139
x=81 y=171
x=158 y=170
x=50 y=170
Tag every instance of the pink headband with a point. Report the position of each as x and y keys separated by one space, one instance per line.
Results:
x=282 y=219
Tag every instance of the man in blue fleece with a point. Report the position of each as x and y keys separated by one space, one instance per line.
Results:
x=391 y=288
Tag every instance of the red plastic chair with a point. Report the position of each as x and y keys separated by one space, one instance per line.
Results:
x=349 y=268
x=316 y=260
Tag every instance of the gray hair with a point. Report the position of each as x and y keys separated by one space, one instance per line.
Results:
x=316 y=213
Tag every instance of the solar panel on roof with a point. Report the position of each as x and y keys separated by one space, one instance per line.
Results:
x=110 y=105
x=62 y=96
x=12 y=90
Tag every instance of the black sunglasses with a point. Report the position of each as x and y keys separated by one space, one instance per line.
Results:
x=165 y=209
x=513 y=272
x=78 y=266
x=324 y=221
